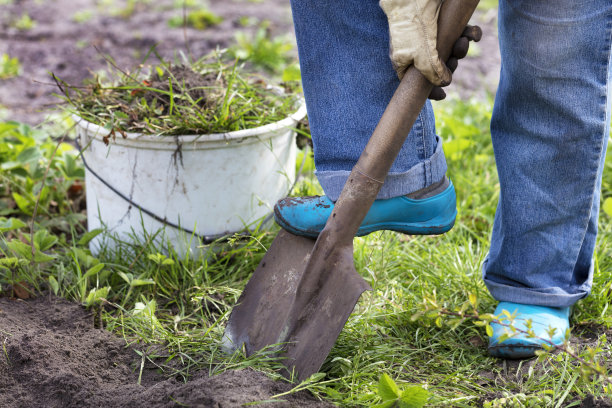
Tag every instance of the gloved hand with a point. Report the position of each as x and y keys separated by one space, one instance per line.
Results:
x=413 y=30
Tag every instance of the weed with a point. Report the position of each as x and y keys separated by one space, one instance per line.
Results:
x=271 y=54
x=9 y=67
x=248 y=21
x=82 y=16
x=198 y=19
x=24 y=23
x=130 y=8
x=412 y=396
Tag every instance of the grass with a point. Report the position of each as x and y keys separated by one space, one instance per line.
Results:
x=209 y=95
x=144 y=292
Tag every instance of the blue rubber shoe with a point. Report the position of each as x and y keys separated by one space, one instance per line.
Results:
x=520 y=345
x=306 y=216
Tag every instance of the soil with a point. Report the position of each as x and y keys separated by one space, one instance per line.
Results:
x=73 y=50
x=54 y=357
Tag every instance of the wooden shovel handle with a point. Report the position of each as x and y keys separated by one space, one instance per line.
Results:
x=368 y=175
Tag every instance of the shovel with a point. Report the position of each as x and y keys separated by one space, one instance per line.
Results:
x=303 y=291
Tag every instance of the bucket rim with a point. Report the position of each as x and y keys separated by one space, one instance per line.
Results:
x=98 y=132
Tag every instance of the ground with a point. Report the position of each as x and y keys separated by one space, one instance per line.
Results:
x=56 y=358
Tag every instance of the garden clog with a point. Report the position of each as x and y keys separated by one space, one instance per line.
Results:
x=522 y=345
x=306 y=216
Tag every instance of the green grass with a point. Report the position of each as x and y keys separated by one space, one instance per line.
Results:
x=150 y=296
x=210 y=95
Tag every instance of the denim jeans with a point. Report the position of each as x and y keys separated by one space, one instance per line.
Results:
x=348 y=81
x=549 y=129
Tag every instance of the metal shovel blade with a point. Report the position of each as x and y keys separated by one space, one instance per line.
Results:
x=259 y=316
x=304 y=325
x=323 y=303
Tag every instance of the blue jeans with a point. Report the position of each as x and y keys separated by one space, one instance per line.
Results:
x=550 y=129
x=348 y=81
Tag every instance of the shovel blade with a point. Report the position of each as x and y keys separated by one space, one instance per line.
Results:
x=324 y=305
x=305 y=323
x=262 y=309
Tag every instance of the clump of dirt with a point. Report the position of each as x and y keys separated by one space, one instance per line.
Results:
x=202 y=89
x=54 y=357
x=592 y=402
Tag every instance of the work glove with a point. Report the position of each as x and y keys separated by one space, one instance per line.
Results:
x=413 y=31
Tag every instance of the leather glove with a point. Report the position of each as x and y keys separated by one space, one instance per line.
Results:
x=413 y=30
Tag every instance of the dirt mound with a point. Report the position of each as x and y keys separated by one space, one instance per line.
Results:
x=54 y=357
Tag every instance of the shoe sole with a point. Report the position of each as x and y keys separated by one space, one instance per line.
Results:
x=434 y=226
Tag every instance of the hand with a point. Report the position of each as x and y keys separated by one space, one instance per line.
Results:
x=460 y=50
x=413 y=30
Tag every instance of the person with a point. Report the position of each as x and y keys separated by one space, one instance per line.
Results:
x=549 y=130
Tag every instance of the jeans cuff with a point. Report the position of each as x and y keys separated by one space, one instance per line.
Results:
x=421 y=175
x=550 y=297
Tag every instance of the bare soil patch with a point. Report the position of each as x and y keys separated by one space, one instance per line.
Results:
x=56 y=358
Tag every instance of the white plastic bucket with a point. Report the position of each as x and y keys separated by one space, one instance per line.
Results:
x=211 y=185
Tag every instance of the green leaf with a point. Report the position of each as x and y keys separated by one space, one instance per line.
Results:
x=93 y=270
x=316 y=377
x=40 y=257
x=25 y=251
x=142 y=282
x=70 y=168
x=53 y=284
x=127 y=277
x=386 y=404
x=387 y=388
x=88 y=236
x=29 y=155
x=43 y=240
x=20 y=249
x=489 y=330
x=607 y=206
x=95 y=295
x=10 y=224
x=9 y=262
x=413 y=396
x=453 y=148
x=24 y=204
